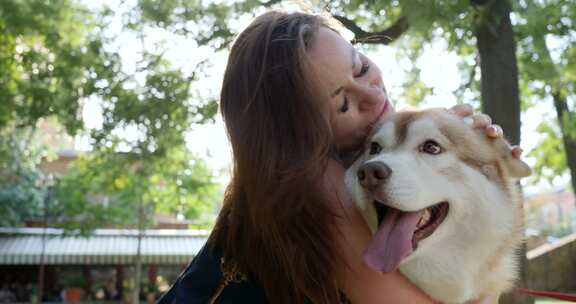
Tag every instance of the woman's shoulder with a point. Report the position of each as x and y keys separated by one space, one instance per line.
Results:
x=203 y=280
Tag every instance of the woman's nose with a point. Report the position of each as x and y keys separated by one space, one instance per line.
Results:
x=370 y=95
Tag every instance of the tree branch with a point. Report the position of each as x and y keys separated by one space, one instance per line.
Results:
x=479 y=2
x=269 y=2
x=468 y=84
x=385 y=36
x=565 y=119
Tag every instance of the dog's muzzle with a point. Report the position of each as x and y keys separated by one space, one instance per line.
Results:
x=374 y=174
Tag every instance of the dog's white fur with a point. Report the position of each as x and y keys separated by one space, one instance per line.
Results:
x=472 y=253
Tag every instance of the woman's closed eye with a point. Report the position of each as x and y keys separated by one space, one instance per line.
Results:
x=363 y=70
x=345 y=105
x=365 y=67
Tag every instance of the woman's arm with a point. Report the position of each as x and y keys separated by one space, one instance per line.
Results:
x=361 y=284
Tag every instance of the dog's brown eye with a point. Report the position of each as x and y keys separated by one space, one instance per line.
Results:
x=375 y=148
x=431 y=147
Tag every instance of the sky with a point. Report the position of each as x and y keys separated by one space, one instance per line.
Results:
x=438 y=70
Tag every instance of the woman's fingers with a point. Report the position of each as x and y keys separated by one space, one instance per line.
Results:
x=462 y=110
x=516 y=151
x=494 y=131
x=466 y=111
x=480 y=121
x=483 y=121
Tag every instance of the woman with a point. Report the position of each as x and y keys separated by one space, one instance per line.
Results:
x=298 y=101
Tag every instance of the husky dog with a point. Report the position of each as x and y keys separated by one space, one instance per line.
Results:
x=442 y=204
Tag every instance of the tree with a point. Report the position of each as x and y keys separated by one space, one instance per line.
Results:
x=53 y=56
x=22 y=187
x=548 y=76
x=46 y=48
x=43 y=47
x=56 y=55
x=499 y=71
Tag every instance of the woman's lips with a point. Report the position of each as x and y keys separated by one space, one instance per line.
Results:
x=380 y=116
x=384 y=109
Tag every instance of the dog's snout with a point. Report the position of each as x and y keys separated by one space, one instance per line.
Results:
x=373 y=174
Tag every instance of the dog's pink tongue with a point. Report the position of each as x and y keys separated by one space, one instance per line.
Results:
x=393 y=240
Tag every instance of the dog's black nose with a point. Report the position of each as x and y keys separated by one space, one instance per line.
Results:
x=373 y=174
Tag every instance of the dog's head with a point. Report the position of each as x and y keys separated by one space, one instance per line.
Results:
x=424 y=174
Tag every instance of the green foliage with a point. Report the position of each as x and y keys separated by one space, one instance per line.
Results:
x=43 y=61
x=415 y=90
x=455 y=22
x=54 y=55
x=105 y=188
x=188 y=189
x=193 y=18
x=547 y=56
x=550 y=154
x=164 y=176
x=73 y=280
x=88 y=196
x=23 y=188
x=161 y=109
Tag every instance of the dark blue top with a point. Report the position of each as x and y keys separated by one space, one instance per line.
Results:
x=198 y=283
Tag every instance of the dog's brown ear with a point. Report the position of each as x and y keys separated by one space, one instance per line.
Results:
x=516 y=167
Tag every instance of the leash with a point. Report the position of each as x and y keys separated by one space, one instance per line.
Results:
x=547 y=294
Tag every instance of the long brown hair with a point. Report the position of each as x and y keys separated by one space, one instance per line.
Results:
x=275 y=223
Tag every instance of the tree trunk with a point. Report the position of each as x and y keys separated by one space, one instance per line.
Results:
x=42 y=268
x=138 y=262
x=566 y=121
x=500 y=95
x=499 y=71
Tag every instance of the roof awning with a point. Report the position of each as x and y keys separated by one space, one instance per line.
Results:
x=23 y=246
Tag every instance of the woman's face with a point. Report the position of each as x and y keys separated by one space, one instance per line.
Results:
x=358 y=98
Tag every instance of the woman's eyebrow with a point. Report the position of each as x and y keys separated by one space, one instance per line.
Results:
x=353 y=57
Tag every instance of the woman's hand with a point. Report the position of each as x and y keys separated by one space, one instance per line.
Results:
x=483 y=121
